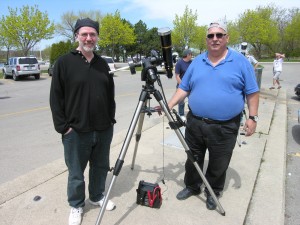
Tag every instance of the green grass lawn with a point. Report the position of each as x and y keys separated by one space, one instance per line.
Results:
x=285 y=60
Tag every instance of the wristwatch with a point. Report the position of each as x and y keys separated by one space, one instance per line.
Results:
x=254 y=118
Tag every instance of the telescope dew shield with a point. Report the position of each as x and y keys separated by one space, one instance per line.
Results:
x=166 y=44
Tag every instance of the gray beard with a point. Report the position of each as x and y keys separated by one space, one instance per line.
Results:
x=87 y=49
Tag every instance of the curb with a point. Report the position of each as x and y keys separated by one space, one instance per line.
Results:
x=267 y=205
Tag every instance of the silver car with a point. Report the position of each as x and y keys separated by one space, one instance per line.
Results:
x=22 y=67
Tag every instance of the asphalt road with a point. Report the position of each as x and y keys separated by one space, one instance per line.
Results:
x=28 y=139
x=290 y=77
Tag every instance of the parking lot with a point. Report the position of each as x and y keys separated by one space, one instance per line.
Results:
x=28 y=139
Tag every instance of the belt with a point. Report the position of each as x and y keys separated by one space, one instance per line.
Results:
x=211 y=121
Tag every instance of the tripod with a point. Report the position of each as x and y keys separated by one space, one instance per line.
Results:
x=243 y=116
x=148 y=90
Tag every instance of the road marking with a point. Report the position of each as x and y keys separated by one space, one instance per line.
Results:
x=25 y=111
x=297 y=154
x=47 y=107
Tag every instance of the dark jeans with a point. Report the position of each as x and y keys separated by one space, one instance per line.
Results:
x=219 y=140
x=79 y=149
x=181 y=108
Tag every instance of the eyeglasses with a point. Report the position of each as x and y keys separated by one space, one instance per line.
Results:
x=218 y=35
x=85 y=35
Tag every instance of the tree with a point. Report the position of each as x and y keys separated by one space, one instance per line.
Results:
x=146 y=40
x=115 y=33
x=5 y=42
x=282 y=19
x=68 y=20
x=258 y=28
x=26 y=29
x=234 y=34
x=46 y=52
x=292 y=36
x=153 y=41
x=199 y=42
x=185 y=29
x=140 y=30
x=60 y=49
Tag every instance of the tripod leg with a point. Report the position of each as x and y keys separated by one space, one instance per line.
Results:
x=188 y=151
x=242 y=123
x=239 y=138
x=120 y=160
x=138 y=135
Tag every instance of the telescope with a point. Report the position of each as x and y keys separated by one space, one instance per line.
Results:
x=166 y=45
x=149 y=71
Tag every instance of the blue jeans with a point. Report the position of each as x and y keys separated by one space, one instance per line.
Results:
x=79 y=149
x=181 y=108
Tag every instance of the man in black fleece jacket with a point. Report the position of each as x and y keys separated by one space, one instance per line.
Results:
x=83 y=110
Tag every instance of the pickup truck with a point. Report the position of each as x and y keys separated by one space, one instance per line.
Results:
x=21 y=67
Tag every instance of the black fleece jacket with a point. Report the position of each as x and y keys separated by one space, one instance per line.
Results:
x=82 y=94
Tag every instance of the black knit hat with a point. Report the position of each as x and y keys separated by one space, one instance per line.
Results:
x=86 y=22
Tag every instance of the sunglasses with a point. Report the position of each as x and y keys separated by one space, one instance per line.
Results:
x=218 y=35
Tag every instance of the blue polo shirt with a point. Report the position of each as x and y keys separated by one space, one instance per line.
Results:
x=218 y=92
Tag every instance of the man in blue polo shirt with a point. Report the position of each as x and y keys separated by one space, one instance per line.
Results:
x=217 y=83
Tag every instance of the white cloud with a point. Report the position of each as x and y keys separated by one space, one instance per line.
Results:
x=163 y=11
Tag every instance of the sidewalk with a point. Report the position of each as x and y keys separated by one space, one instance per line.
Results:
x=253 y=194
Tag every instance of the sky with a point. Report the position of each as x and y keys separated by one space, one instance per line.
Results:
x=155 y=13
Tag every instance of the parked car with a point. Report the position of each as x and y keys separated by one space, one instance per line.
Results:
x=50 y=69
x=21 y=67
x=111 y=64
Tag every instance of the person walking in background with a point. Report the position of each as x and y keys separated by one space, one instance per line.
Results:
x=217 y=83
x=180 y=68
x=252 y=60
x=277 y=69
x=82 y=101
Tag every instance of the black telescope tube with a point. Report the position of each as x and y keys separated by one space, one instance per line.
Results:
x=166 y=43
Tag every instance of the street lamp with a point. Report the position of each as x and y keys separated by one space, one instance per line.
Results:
x=124 y=51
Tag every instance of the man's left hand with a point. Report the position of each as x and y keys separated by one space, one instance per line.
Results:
x=250 y=127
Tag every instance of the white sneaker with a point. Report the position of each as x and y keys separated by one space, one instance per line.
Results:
x=110 y=205
x=75 y=216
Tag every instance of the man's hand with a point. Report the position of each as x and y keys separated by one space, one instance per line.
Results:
x=158 y=110
x=249 y=127
x=68 y=131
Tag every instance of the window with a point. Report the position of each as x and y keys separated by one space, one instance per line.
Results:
x=28 y=61
x=109 y=60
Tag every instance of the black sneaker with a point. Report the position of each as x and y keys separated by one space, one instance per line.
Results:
x=210 y=203
x=186 y=193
